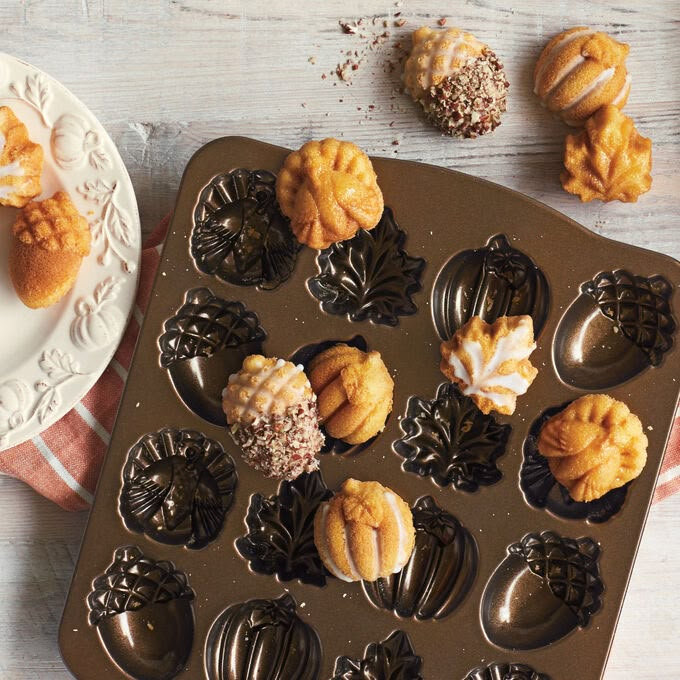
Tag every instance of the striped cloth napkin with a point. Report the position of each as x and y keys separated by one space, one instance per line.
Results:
x=63 y=462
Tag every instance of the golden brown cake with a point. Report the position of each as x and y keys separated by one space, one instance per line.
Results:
x=490 y=362
x=271 y=410
x=608 y=160
x=329 y=191
x=50 y=238
x=21 y=162
x=354 y=391
x=593 y=446
x=365 y=532
x=580 y=71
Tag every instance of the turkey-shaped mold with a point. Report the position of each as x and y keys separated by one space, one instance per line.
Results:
x=450 y=440
x=617 y=327
x=542 y=490
x=493 y=281
x=177 y=487
x=369 y=277
x=204 y=343
x=262 y=640
x=280 y=538
x=240 y=235
x=547 y=586
x=505 y=671
x=143 y=613
x=304 y=356
x=391 y=659
x=439 y=573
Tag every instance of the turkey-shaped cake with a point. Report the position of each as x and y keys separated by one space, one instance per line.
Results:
x=580 y=71
x=365 y=532
x=271 y=411
x=21 y=161
x=329 y=191
x=354 y=391
x=593 y=446
x=490 y=362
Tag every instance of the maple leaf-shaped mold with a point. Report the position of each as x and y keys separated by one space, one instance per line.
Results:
x=391 y=659
x=542 y=490
x=450 y=440
x=369 y=277
x=280 y=538
x=240 y=235
x=505 y=671
x=205 y=342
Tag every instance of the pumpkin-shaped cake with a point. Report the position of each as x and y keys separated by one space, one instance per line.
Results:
x=329 y=191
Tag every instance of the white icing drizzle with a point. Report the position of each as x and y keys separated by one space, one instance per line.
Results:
x=554 y=50
x=402 y=554
x=328 y=560
x=599 y=82
x=623 y=91
x=377 y=553
x=564 y=73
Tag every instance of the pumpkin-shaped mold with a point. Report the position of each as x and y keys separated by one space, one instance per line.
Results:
x=542 y=490
x=546 y=587
x=505 y=671
x=204 y=343
x=177 y=487
x=440 y=572
x=369 y=277
x=240 y=235
x=450 y=440
x=142 y=611
x=262 y=640
x=493 y=281
x=391 y=659
x=618 y=326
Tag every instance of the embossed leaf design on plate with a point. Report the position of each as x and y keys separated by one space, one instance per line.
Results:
x=369 y=276
x=280 y=538
x=505 y=671
x=391 y=659
x=449 y=439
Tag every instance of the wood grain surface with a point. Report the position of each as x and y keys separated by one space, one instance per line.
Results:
x=166 y=77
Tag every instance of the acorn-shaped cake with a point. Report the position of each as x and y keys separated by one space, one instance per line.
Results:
x=142 y=610
x=580 y=71
x=354 y=391
x=364 y=532
x=272 y=416
x=458 y=80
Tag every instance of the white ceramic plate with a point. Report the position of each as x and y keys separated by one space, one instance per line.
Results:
x=50 y=358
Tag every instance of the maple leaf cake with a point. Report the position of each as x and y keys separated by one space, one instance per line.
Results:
x=490 y=362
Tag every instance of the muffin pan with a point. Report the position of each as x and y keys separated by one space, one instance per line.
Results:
x=194 y=565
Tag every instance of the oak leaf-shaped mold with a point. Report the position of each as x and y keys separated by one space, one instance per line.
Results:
x=370 y=276
x=542 y=490
x=450 y=440
x=618 y=326
x=547 y=586
x=280 y=538
x=505 y=671
x=439 y=573
x=262 y=640
x=143 y=613
x=391 y=659
x=177 y=487
x=204 y=343
x=493 y=281
x=240 y=235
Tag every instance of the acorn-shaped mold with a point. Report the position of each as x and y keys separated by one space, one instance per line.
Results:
x=493 y=281
x=205 y=341
x=450 y=440
x=240 y=235
x=618 y=326
x=547 y=586
x=177 y=487
x=262 y=640
x=440 y=572
x=143 y=613
x=391 y=659
x=369 y=277
x=505 y=671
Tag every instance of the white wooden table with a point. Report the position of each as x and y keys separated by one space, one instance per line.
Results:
x=166 y=77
